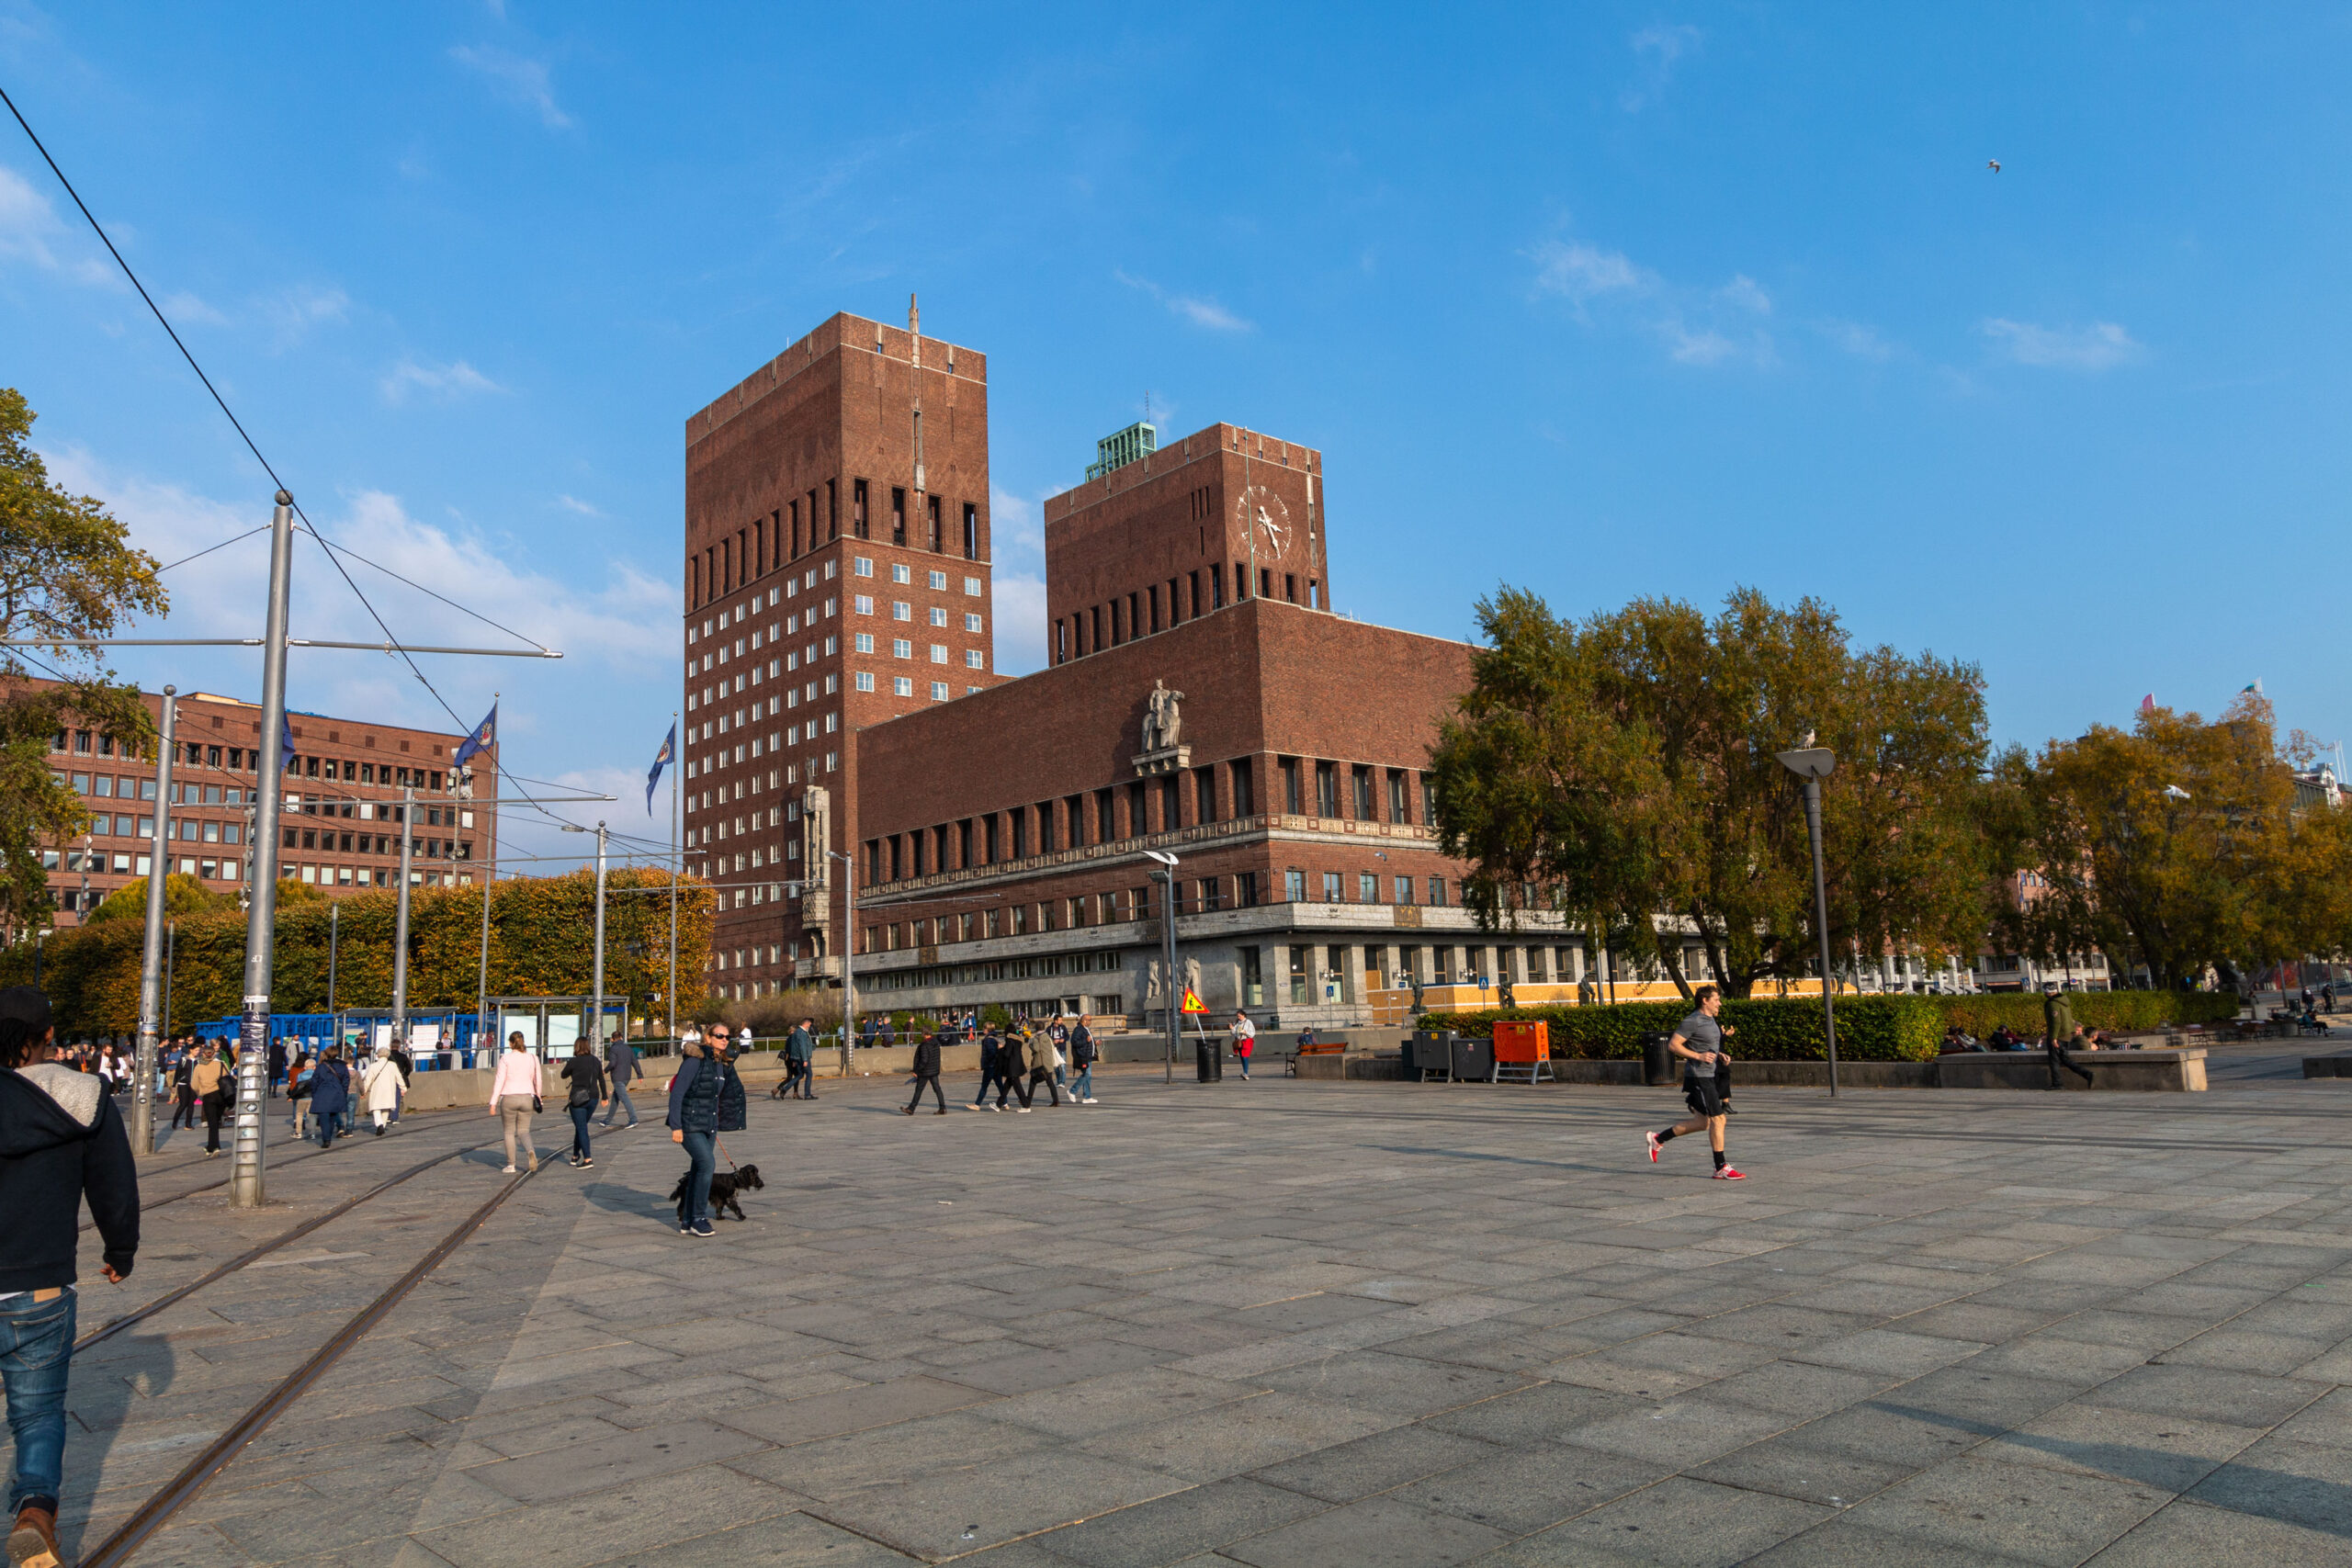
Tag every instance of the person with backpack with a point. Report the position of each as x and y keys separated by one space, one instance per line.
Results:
x=330 y=1094
x=1083 y=1054
x=927 y=1072
x=706 y=1100
x=587 y=1076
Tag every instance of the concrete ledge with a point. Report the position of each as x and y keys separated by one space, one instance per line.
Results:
x=2127 y=1071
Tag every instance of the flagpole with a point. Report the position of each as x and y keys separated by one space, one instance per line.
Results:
x=490 y=882
x=674 y=865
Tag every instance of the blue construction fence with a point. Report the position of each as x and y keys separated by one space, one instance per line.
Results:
x=313 y=1031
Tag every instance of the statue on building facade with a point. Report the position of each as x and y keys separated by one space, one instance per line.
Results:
x=1162 y=721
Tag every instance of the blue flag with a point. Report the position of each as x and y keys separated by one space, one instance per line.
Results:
x=484 y=736
x=667 y=755
x=284 y=743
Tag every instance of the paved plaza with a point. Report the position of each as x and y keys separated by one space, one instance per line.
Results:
x=1286 y=1324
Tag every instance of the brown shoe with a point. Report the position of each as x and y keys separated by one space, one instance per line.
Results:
x=33 y=1543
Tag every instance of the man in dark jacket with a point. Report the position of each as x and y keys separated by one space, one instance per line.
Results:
x=800 y=1059
x=706 y=1100
x=991 y=1072
x=330 y=1094
x=927 y=1072
x=620 y=1065
x=61 y=1141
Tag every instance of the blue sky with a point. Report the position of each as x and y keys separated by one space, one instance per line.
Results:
x=1605 y=301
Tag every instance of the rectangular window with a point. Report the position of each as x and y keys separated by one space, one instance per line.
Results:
x=863 y=566
x=1294 y=886
x=939 y=584
x=1020 y=833
x=901 y=648
x=901 y=611
x=863 y=642
x=1437 y=892
x=975 y=659
x=1299 y=994
x=971 y=588
x=1400 y=808
x=1151 y=595
x=1331 y=887
x=1292 y=788
x=898 y=515
x=1205 y=795
x=857 y=523
x=972 y=622
x=939 y=691
x=939 y=653
x=1217 y=586
x=938 y=531
x=865 y=680
x=1365 y=811
x=1326 y=789
x=902 y=686
x=1245 y=801
x=1404 y=889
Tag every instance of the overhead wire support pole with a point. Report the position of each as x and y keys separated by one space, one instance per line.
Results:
x=150 y=948
x=399 y=922
x=488 y=887
x=247 y=1181
x=676 y=867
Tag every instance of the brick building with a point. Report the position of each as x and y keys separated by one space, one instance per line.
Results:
x=343 y=835
x=1202 y=699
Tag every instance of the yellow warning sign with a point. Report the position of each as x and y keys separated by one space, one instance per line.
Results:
x=1192 y=1003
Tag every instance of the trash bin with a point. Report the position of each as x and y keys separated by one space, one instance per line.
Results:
x=1206 y=1061
x=1473 y=1059
x=1657 y=1063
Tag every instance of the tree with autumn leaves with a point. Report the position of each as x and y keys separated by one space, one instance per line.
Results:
x=1622 y=770
x=2175 y=845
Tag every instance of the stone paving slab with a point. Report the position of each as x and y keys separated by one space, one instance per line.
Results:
x=1286 y=1322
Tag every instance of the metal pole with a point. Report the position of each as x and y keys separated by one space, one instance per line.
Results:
x=246 y=1177
x=488 y=884
x=150 y=949
x=171 y=964
x=596 y=1030
x=1168 y=944
x=849 y=957
x=1821 y=926
x=335 y=946
x=676 y=867
x=399 y=921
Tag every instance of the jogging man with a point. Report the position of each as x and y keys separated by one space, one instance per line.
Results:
x=1698 y=1041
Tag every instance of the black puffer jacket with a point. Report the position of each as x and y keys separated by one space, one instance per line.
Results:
x=62 y=1140
x=927 y=1057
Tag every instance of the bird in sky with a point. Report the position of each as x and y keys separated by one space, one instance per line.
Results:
x=1994 y=164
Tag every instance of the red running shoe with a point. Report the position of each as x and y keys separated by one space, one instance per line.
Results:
x=1728 y=1173
x=1653 y=1138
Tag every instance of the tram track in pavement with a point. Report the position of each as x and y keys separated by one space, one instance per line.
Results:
x=189 y=1483
x=277 y=1164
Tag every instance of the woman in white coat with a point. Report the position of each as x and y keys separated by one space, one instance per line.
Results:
x=380 y=1087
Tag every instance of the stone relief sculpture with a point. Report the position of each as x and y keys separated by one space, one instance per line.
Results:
x=1162 y=721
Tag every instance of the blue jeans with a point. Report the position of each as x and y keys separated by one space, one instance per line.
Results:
x=328 y=1122
x=579 y=1115
x=701 y=1148
x=36 y=1353
x=1085 y=1086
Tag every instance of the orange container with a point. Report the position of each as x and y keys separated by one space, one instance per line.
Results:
x=1522 y=1040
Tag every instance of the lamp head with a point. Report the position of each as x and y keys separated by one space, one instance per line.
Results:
x=1812 y=762
x=1161 y=856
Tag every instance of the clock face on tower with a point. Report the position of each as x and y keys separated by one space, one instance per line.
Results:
x=1261 y=525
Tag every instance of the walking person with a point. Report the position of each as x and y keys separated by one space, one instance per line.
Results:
x=407 y=1065
x=330 y=1094
x=2058 y=1031
x=514 y=1096
x=800 y=1062
x=297 y=1094
x=587 y=1076
x=64 y=1144
x=276 y=1068
x=620 y=1069
x=927 y=1072
x=210 y=1081
x=991 y=1071
x=1044 y=1066
x=183 y=1089
x=1698 y=1041
x=1244 y=1041
x=1058 y=1032
x=1083 y=1053
x=1012 y=1065
x=379 y=1088
x=701 y=1107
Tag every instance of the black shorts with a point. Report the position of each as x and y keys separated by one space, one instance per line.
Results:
x=1699 y=1095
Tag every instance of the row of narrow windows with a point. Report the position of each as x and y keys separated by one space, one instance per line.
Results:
x=1164 y=604
x=814 y=519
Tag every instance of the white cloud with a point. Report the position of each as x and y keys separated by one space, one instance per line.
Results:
x=30 y=231
x=184 y=308
x=1014 y=521
x=1582 y=272
x=1857 y=338
x=1655 y=49
x=573 y=503
x=292 y=312
x=525 y=80
x=1697 y=326
x=1199 y=309
x=441 y=382
x=2102 y=345
x=1019 y=622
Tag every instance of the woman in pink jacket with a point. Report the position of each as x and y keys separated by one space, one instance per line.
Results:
x=514 y=1095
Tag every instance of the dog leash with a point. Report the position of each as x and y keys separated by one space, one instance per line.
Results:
x=722 y=1143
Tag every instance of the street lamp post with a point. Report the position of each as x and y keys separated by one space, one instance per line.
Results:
x=1167 y=874
x=246 y=1177
x=849 y=949
x=1814 y=764
x=150 y=947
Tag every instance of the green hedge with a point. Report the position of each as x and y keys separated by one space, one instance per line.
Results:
x=1870 y=1028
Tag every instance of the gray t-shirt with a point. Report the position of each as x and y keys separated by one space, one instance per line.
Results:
x=1700 y=1032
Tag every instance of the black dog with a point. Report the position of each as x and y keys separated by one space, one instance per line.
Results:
x=724 y=1187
